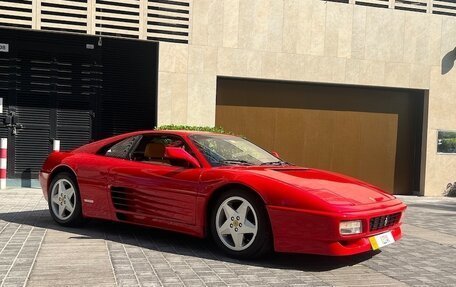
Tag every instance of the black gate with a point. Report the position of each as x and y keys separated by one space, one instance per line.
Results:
x=71 y=88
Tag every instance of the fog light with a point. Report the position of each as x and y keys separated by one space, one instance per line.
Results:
x=350 y=227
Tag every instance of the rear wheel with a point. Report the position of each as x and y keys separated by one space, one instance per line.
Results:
x=240 y=226
x=64 y=200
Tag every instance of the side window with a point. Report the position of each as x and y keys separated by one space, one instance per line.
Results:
x=151 y=149
x=122 y=148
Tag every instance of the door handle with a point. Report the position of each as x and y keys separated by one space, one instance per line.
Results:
x=117 y=188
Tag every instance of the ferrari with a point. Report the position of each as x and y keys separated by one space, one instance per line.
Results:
x=248 y=200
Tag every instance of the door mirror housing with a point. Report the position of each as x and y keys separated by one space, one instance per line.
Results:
x=276 y=154
x=181 y=154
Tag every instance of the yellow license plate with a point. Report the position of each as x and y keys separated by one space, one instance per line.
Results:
x=380 y=240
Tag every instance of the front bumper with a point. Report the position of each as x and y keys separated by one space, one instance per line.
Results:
x=313 y=232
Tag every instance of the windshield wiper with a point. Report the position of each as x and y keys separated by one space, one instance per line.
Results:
x=236 y=161
x=279 y=162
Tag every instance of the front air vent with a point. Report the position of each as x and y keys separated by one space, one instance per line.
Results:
x=384 y=221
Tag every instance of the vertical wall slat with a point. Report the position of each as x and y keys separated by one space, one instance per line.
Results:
x=143 y=19
x=91 y=17
x=391 y=4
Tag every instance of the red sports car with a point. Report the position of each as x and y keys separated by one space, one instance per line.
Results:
x=206 y=184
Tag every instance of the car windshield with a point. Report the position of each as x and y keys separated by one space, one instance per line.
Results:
x=230 y=150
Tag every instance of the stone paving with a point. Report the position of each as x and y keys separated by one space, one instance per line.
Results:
x=34 y=251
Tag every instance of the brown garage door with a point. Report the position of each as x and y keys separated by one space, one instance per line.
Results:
x=369 y=133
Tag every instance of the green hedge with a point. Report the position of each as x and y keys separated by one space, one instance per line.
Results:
x=218 y=130
x=447 y=145
x=447 y=135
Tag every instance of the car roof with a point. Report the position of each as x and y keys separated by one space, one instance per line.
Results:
x=96 y=146
x=180 y=132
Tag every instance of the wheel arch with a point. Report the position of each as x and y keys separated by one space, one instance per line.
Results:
x=219 y=191
x=60 y=169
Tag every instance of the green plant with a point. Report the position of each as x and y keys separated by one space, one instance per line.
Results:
x=218 y=130
x=447 y=145
x=450 y=190
x=446 y=135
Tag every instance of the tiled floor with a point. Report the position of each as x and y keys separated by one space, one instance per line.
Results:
x=34 y=251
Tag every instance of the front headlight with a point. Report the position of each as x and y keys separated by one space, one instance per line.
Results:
x=350 y=227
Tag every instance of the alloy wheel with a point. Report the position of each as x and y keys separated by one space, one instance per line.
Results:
x=236 y=223
x=63 y=199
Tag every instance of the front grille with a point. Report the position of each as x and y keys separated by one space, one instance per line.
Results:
x=384 y=221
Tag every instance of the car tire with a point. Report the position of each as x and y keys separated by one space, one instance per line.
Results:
x=64 y=200
x=239 y=225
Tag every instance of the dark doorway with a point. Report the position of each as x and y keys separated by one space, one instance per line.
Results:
x=73 y=88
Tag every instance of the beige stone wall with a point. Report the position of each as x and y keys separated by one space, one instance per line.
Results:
x=312 y=41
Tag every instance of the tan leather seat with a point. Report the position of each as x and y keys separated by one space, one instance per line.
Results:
x=155 y=152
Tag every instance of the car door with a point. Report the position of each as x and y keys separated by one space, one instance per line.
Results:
x=93 y=176
x=146 y=189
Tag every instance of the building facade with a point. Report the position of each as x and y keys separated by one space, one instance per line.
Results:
x=359 y=87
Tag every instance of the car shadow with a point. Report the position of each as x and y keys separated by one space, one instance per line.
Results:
x=176 y=243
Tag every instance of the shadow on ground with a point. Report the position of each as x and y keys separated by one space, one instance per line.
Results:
x=170 y=242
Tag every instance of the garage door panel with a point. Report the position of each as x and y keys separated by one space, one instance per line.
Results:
x=243 y=125
x=267 y=117
x=318 y=144
x=32 y=148
x=288 y=137
x=345 y=142
x=378 y=149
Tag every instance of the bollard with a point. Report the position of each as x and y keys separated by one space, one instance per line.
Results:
x=3 y=156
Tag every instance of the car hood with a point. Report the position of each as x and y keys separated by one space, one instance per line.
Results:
x=331 y=187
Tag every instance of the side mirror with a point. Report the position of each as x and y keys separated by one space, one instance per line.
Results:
x=180 y=154
x=276 y=154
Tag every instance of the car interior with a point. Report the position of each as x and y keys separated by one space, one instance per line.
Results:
x=147 y=149
x=152 y=150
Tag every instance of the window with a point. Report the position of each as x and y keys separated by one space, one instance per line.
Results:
x=446 y=142
x=151 y=149
x=122 y=148
x=227 y=150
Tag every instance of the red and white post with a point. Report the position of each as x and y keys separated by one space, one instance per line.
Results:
x=3 y=156
x=56 y=145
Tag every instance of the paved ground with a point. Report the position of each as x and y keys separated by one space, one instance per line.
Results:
x=34 y=251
